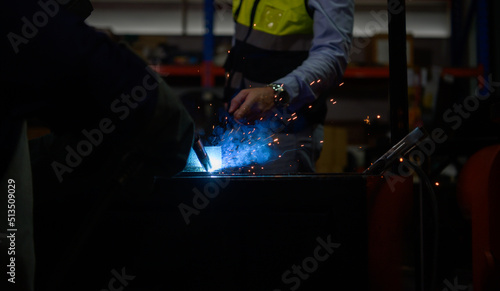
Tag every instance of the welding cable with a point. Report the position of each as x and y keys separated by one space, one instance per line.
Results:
x=424 y=181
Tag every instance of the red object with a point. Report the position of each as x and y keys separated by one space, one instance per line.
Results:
x=350 y=72
x=463 y=72
x=367 y=72
x=479 y=196
x=185 y=70
x=390 y=204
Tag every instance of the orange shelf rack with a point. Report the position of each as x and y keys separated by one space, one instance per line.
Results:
x=350 y=72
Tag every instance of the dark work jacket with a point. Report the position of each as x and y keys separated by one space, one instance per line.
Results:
x=56 y=68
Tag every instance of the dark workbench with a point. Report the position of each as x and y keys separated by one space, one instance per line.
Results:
x=248 y=233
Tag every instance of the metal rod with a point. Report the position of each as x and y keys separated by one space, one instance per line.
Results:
x=208 y=45
x=483 y=39
x=398 y=75
x=456 y=51
x=184 y=13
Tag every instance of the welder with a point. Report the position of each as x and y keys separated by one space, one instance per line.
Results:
x=286 y=55
x=106 y=110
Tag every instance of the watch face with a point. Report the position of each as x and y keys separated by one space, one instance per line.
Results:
x=281 y=96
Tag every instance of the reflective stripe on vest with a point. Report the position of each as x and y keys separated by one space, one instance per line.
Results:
x=277 y=24
x=277 y=17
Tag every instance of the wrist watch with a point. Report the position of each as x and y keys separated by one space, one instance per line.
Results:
x=281 y=97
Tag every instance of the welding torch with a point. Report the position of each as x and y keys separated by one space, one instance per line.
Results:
x=202 y=155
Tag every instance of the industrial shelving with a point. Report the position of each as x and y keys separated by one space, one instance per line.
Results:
x=350 y=73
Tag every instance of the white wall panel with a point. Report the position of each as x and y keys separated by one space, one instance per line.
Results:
x=428 y=23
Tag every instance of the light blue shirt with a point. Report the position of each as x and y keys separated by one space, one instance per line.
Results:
x=329 y=53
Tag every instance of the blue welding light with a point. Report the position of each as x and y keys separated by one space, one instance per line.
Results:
x=194 y=165
x=215 y=155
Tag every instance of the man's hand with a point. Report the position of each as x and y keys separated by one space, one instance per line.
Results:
x=252 y=104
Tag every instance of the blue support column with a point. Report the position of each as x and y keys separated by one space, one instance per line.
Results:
x=208 y=45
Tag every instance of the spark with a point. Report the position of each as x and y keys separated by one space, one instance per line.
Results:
x=310 y=106
x=367 y=120
x=400 y=160
x=378 y=116
x=341 y=84
x=242 y=147
x=320 y=141
x=437 y=183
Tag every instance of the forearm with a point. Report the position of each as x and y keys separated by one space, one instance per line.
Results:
x=329 y=53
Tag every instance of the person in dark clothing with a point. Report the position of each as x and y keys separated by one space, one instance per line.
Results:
x=106 y=109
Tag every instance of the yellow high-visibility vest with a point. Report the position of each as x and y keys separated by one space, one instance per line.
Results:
x=276 y=17
x=272 y=38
